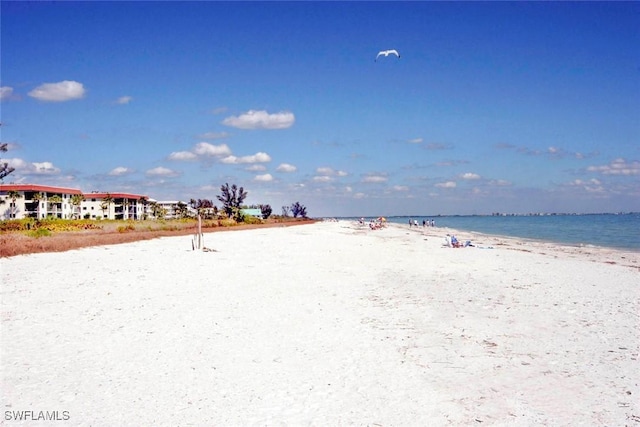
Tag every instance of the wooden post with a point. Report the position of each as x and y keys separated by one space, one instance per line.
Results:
x=198 y=238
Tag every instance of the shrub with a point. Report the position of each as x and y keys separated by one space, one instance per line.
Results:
x=126 y=228
x=252 y=220
x=39 y=232
x=226 y=222
x=12 y=225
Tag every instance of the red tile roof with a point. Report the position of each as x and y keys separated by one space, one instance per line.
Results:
x=38 y=188
x=102 y=195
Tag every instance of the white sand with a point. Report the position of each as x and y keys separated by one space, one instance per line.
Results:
x=323 y=324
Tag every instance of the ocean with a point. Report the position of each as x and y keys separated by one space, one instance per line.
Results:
x=621 y=231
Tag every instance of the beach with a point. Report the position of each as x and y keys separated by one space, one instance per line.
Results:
x=330 y=323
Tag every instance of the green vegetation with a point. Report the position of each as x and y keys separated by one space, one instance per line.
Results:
x=39 y=232
x=127 y=227
x=5 y=169
x=232 y=198
x=50 y=224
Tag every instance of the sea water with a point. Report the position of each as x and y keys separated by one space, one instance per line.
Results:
x=620 y=231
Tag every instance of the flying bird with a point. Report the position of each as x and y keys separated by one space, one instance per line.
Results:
x=387 y=53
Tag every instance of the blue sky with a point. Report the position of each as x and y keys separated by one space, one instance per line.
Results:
x=492 y=106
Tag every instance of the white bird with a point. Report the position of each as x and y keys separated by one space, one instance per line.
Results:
x=387 y=53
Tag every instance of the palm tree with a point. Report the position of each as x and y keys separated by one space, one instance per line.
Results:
x=55 y=200
x=38 y=197
x=144 y=201
x=156 y=210
x=106 y=203
x=5 y=169
x=181 y=210
x=76 y=200
x=13 y=195
x=125 y=209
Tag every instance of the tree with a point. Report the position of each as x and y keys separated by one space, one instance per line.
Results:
x=298 y=210
x=181 y=210
x=38 y=197
x=285 y=210
x=266 y=211
x=204 y=207
x=157 y=211
x=232 y=198
x=76 y=200
x=13 y=195
x=125 y=208
x=106 y=203
x=5 y=169
x=55 y=200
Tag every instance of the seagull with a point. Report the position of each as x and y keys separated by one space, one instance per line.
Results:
x=387 y=53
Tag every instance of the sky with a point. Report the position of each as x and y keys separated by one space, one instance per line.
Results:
x=512 y=107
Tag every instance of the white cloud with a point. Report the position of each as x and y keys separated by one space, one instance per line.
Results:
x=17 y=163
x=400 y=188
x=256 y=168
x=327 y=171
x=35 y=168
x=255 y=158
x=470 y=176
x=591 y=186
x=66 y=90
x=253 y=119
x=500 y=182
x=161 y=171
x=448 y=184
x=286 y=167
x=123 y=100
x=617 y=167
x=182 y=155
x=416 y=141
x=322 y=178
x=373 y=178
x=324 y=171
x=213 y=135
x=119 y=171
x=6 y=92
x=264 y=178
x=206 y=149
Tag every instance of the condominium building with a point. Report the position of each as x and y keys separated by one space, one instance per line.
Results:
x=113 y=206
x=40 y=201
x=169 y=209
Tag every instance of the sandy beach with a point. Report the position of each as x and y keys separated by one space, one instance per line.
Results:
x=323 y=324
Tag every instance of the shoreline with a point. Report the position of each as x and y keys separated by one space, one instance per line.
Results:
x=594 y=253
x=329 y=324
x=602 y=230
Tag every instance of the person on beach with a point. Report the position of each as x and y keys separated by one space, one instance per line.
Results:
x=456 y=244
